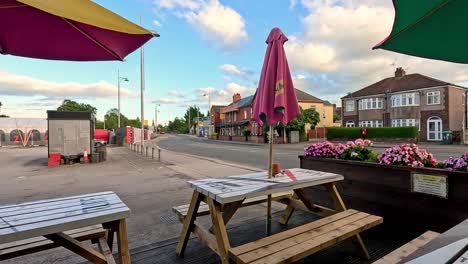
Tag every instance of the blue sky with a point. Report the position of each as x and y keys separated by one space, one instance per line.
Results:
x=217 y=46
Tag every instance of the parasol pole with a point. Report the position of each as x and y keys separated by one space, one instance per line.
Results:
x=270 y=175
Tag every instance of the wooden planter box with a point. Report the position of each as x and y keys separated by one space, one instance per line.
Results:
x=386 y=190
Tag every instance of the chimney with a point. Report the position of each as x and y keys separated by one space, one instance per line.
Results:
x=236 y=97
x=400 y=72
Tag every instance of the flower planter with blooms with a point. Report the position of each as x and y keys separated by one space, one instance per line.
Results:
x=382 y=183
x=402 y=155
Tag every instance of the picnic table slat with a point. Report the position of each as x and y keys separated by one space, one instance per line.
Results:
x=239 y=187
x=83 y=211
x=18 y=206
x=55 y=209
x=38 y=218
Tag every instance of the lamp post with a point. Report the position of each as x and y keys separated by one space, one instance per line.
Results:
x=119 y=78
x=208 y=94
x=156 y=116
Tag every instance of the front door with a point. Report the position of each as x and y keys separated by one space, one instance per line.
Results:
x=434 y=129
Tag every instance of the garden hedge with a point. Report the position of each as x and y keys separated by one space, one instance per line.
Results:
x=372 y=132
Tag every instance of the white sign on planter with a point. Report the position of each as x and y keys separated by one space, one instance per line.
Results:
x=430 y=184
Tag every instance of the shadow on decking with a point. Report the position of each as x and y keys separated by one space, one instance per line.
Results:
x=379 y=240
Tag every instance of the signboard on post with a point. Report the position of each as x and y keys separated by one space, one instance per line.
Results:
x=430 y=184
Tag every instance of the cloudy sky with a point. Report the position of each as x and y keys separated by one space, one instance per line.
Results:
x=217 y=47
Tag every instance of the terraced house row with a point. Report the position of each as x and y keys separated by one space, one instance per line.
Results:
x=431 y=105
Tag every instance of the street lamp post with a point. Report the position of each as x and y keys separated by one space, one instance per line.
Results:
x=208 y=94
x=156 y=116
x=118 y=94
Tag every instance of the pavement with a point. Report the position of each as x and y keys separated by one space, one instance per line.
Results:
x=149 y=188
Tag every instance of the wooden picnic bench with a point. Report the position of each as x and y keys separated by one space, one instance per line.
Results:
x=65 y=222
x=407 y=249
x=220 y=198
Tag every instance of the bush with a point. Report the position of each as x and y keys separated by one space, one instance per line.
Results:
x=246 y=133
x=372 y=132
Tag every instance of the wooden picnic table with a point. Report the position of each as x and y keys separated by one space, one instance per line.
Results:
x=225 y=195
x=53 y=218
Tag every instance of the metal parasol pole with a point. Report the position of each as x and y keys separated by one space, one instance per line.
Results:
x=270 y=175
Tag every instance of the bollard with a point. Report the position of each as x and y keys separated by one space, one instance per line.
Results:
x=152 y=153
x=159 y=154
x=146 y=151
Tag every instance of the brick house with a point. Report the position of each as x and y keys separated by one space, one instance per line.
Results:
x=236 y=117
x=215 y=118
x=408 y=100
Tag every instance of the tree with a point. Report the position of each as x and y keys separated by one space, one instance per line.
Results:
x=4 y=116
x=193 y=110
x=178 y=126
x=72 y=106
x=308 y=116
x=336 y=117
x=111 y=119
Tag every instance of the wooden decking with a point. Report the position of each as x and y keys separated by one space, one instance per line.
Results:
x=380 y=241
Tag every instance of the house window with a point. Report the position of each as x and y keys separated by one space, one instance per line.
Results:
x=245 y=114
x=405 y=123
x=371 y=103
x=371 y=123
x=350 y=124
x=407 y=99
x=349 y=106
x=433 y=98
x=235 y=116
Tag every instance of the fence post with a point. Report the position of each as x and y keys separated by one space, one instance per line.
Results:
x=159 y=154
x=152 y=152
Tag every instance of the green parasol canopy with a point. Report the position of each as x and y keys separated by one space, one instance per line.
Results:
x=434 y=29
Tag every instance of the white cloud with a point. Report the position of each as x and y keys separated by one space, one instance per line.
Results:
x=229 y=68
x=156 y=23
x=334 y=49
x=175 y=93
x=186 y=4
x=219 y=24
x=167 y=101
x=19 y=85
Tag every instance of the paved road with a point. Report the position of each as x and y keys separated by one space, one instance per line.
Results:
x=251 y=155
x=257 y=155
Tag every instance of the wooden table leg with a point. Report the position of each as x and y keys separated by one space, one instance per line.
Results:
x=122 y=242
x=111 y=228
x=78 y=248
x=219 y=230
x=228 y=212
x=340 y=206
x=106 y=251
x=188 y=222
x=288 y=212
